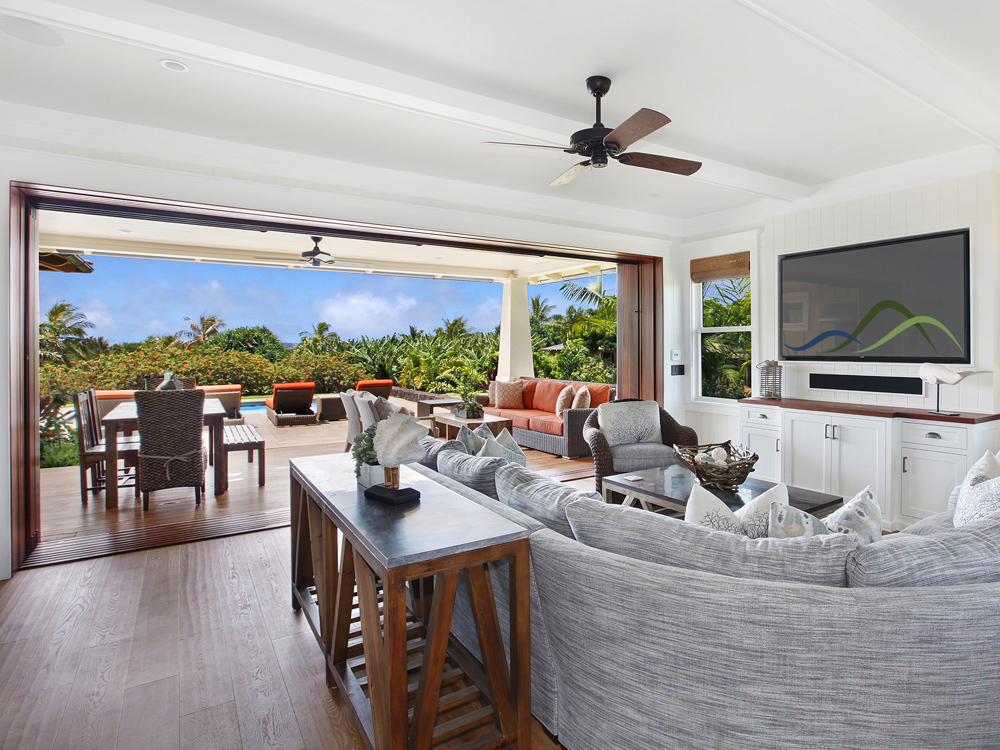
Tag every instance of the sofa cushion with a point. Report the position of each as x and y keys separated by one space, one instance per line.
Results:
x=654 y=538
x=433 y=446
x=509 y=395
x=475 y=472
x=547 y=394
x=565 y=400
x=979 y=496
x=550 y=425
x=581 y=399
x=630 y=422
x=932 y=524
x=528 y=386
x=639 y=456
x=600 y=393
x=861 y=517
x=539 y=497
x=969 y=554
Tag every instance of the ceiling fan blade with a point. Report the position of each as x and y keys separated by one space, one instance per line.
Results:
x=314 y=260
x=529 y=145
x=571 y=174
x=638 y=126
x=662 y=163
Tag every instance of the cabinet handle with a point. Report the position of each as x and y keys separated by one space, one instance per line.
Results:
x=777 y=445
x=933 y=435
x=904 y=464
x=762 y=416
x=826 y=432
x=833 y=432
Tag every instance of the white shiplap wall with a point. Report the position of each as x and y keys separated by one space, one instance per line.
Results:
x=952 y=204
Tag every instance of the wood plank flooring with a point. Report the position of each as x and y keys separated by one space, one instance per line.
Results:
x=71 y=530
x=190 y=646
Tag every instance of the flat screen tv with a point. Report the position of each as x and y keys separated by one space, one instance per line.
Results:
x=899 y=300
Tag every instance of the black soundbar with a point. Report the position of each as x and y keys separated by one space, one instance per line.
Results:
x=867 y=383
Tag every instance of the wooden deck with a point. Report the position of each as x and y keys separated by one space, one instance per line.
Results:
x=191 y=646
x=72 y=530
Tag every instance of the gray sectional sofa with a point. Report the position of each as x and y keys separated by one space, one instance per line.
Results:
x=830 y=647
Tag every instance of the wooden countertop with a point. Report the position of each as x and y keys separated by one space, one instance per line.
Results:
x=869 y=410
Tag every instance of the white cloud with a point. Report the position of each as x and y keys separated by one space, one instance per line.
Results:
x=486 y=316
x=361 y=314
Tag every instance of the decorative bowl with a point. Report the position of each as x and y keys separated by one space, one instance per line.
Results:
x=739 y=464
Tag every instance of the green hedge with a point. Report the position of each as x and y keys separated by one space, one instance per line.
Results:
x=209 y=367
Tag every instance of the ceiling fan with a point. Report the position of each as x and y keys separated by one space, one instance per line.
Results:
x=599 y=143
x=317 y=257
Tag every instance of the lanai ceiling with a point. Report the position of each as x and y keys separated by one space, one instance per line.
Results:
x=777 y=97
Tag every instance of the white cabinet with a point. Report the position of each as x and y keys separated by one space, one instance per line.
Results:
x=836 y=453
x=766 y=443
x=928 y=477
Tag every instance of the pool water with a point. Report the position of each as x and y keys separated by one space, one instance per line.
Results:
x=260 y=408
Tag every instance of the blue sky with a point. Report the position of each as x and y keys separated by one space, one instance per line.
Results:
x=129 y=299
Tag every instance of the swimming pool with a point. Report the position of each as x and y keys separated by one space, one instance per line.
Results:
x=261 y=408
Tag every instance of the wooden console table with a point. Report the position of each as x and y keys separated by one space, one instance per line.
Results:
x=406 y=681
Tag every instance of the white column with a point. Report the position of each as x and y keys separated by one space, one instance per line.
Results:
x=515 y=332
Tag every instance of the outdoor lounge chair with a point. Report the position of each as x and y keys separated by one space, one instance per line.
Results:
x=376 y=387
x=291 y=403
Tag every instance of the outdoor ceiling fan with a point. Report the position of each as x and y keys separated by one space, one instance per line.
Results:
x=317 y=257
x=599 y=143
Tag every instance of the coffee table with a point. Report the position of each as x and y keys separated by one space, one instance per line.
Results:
x=449 y=425
x=668 y=487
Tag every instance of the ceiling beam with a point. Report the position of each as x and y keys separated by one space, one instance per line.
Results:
x=856 y=32
x=200 y=39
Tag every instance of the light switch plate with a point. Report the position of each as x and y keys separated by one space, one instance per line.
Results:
x=675 y=355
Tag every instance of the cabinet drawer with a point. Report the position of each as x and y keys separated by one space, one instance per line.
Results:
x=936 y=434
x=761 y=415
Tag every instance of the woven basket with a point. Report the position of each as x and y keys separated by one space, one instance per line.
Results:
x=723 y=477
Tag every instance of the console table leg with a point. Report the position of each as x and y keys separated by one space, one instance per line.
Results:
x=435 y=647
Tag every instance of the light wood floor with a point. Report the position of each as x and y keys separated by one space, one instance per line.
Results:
x=190 y=646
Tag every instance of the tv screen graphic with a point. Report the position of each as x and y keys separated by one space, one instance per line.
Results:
x=900 y=300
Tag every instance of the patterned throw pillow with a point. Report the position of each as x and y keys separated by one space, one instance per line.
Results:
x=786 y=522
x=755 y=515
x=508 y=395
x=705 y=509
x=494 y=449
x=860 y=517
x=630 y=422
x=582 y=399
x=565 y=400
x=493 y=393
x=473 y=443
x=979 y=496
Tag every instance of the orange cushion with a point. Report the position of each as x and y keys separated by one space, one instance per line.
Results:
x=372 y=383
x=491 y=410
x=269 y=401
x=220 y=388
x=293 y=386
x=600 y=393
x=550 y=425
x=520 y=417
x=547 y=394
x=115 y=394
x=528 y=392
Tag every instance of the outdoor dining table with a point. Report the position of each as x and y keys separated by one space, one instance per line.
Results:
x=123 y=417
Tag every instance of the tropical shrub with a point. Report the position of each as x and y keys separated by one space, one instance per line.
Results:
x=253 y=339
x=331 y=374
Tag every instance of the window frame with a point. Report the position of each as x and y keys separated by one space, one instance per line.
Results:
x=700 y=329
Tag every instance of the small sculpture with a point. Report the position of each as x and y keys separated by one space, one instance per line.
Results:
x=397 y=440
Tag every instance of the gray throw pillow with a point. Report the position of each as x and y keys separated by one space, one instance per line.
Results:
x=475 y=472
x=432 y=447
x=650 y=537
x=969 y=554
x=383 y=408
x=541 y=498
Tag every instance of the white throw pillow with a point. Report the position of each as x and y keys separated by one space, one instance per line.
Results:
x=565 y=400
x=860 y=517
x=979 y=495
x=786 y=522
x=507 y=441
x=755 y=515
x=630 y=422
x=493 y=449
x=705 y=509
x=472 y=442
x=582 y=399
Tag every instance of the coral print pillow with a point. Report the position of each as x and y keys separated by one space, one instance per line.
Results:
x=509 y=395
x=630 y=422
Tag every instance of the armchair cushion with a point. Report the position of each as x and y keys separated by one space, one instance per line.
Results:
x=638 y=456
x=630 y=422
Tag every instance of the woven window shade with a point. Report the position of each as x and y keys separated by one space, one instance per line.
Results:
x=734 y=266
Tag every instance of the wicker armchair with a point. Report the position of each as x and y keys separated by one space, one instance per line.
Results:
x=171 y=453
x=671 y=431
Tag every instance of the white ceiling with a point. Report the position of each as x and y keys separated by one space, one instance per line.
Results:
x=776 y=97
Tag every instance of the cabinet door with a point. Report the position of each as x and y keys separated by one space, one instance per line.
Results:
x=928 y=479
x=765 y=442
x=858 y=450
x=805 y=446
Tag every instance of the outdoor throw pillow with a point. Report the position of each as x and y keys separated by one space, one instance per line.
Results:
x=630 y=422
x=860 y=517
x=582 y=399
x=979 y=496
x=786 y=522
x=755 y=515
x=565 y=400
x=508 y=395
x=493 y=393
x=473 y=443
x=705 y=509
x=507 y=441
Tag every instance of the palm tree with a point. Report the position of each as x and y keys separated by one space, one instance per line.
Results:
x=62 y=334
x=454 y=328
x=201 y=330
x=541 y=311
x=574 y=321
x=603 y=312
x=321 y=340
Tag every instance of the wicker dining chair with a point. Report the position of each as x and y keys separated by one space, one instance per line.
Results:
x=672 y=433
x=94 y=454
x=171 y=453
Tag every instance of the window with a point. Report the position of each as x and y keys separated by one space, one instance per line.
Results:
x=723 y=326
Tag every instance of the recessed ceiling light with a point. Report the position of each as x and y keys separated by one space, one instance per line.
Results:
x=438 y=257
x=30 y=31
x=125 y=231
x=655 y=195
x=175 y=66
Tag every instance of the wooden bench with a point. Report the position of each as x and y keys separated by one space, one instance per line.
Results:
x=245 y=437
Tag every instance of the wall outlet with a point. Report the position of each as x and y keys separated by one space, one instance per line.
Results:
x=676 y=369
